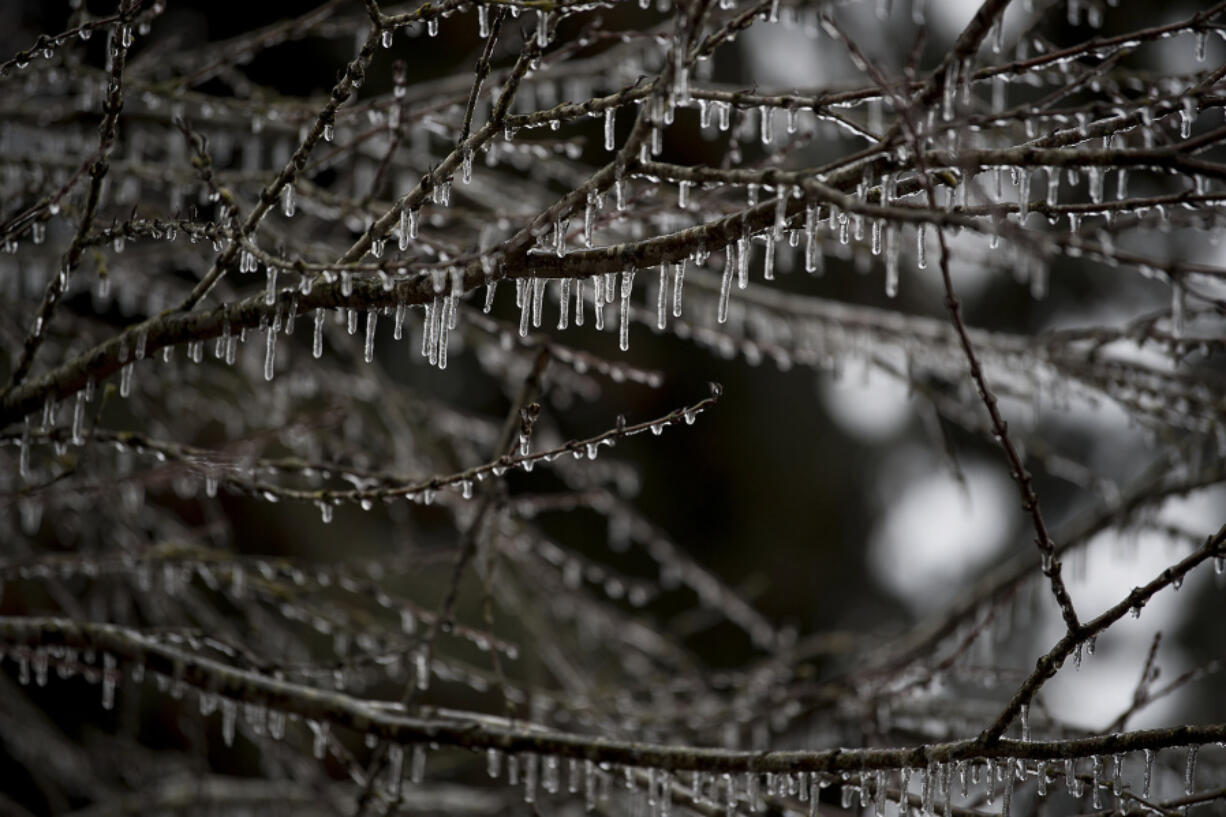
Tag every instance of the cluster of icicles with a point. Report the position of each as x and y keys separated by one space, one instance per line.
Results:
x=934 y=790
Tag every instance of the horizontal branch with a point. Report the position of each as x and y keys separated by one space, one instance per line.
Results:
x=370 y=717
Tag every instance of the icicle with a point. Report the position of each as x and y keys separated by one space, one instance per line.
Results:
x=624 y=314
x=610 y=114
x=678 y=282
x=421 y=669
x=811 y=247
x=589 y=219
x=229 y=714
x=270 y=352
x=1094 y=176
x=395 y=771
x=1178 y=310
x=662 y=297
x=78 y=417
x=109 y=675
x=579 y=302
x=493 y=757
x=767 y=119
x=525 y=305
x=287 y=200
x=1149 y=773
x=1186 y=114
x=891 y=260
x=317 y=340
x=589 y=785
x=725 y=287
x=1023 y=194
x=530 y=767
x=372 y=315
x=125 y=379
x=542 y=28
x=742 y=262
x=414 y=218
x=417 y=766
x=549 y=775
x=538 y=298
x=950 y=91
x=598 y=300
x=1024 y=716
x=1189 y=770
x=768 y=258
x=563 y=303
